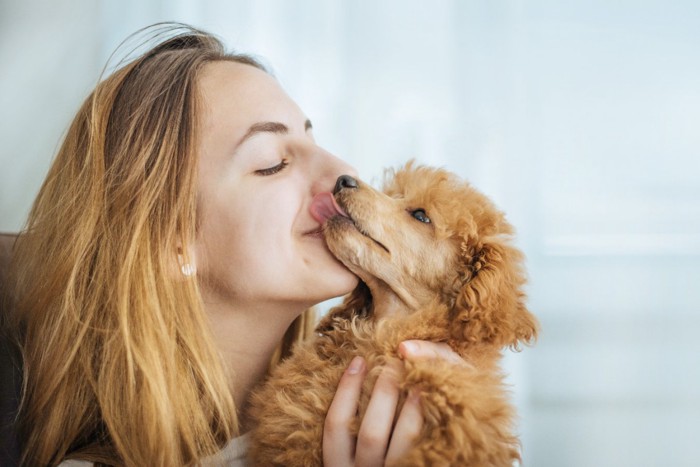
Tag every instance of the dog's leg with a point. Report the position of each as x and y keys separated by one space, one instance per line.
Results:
x=468 y=420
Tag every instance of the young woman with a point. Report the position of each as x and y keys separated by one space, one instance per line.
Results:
x=169 y=258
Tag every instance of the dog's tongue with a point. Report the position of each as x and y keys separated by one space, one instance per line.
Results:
x=323 y=207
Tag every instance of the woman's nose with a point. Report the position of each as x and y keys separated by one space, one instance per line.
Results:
x=331 y=168
x=341 y=167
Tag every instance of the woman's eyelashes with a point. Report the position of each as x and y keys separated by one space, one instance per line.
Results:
x=272 y=170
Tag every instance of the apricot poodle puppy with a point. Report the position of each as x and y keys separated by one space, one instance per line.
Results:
x=436 y=263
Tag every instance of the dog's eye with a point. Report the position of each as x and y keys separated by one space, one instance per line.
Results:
x=421 y=216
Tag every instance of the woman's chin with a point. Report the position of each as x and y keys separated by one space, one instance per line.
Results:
x=338 y=283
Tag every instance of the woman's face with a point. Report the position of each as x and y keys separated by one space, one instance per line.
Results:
x=259 y=169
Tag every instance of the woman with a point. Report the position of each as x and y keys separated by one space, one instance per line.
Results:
x=168 y=258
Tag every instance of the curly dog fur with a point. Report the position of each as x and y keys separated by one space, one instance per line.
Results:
x=448 y=275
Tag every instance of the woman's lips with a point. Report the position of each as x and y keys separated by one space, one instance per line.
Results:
x=323 y=207
x=317 y=232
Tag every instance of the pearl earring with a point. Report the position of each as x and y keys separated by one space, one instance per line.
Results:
x=187 y=269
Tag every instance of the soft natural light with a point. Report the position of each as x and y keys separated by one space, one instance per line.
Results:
x=581 y=119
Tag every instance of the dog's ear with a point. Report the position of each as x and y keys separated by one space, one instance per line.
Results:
x=490 y=306
x=357 y=304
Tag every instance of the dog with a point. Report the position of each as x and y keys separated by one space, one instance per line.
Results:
x=436 y=262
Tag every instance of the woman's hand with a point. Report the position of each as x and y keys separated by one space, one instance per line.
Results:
x=376 y=443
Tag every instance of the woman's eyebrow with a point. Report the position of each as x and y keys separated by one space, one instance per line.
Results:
x=269 y=127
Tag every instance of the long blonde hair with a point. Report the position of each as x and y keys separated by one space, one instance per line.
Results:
x=120 y=367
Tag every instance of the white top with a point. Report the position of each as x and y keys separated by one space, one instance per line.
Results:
x=232 y=455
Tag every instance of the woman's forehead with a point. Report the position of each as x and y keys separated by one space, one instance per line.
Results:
x=238 y=81
x=236 y=91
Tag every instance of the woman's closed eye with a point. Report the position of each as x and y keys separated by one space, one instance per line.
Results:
x=272 y=170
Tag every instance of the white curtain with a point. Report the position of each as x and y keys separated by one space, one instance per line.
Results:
x=580 y=119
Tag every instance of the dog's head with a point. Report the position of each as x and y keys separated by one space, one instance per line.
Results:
x=428 y=237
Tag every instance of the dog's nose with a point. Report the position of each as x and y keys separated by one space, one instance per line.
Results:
x=344 y=181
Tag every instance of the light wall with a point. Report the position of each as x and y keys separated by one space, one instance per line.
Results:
x=580 y=119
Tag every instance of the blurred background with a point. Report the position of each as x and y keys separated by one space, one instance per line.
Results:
x=581 y=119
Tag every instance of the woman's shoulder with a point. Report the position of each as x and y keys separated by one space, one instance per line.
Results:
x=233 y=455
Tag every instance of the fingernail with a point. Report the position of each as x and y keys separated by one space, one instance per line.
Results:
x=356 y=365
x=409 y=347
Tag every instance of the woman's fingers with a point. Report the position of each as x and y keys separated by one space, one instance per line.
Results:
x=376 y=443
x=338 y=441
x=407 y=429
x=375 y=430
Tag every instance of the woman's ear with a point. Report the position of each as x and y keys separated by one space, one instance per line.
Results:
x=186 y=265
x=490 y=307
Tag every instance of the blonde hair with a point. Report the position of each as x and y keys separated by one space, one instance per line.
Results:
x=120 y=367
